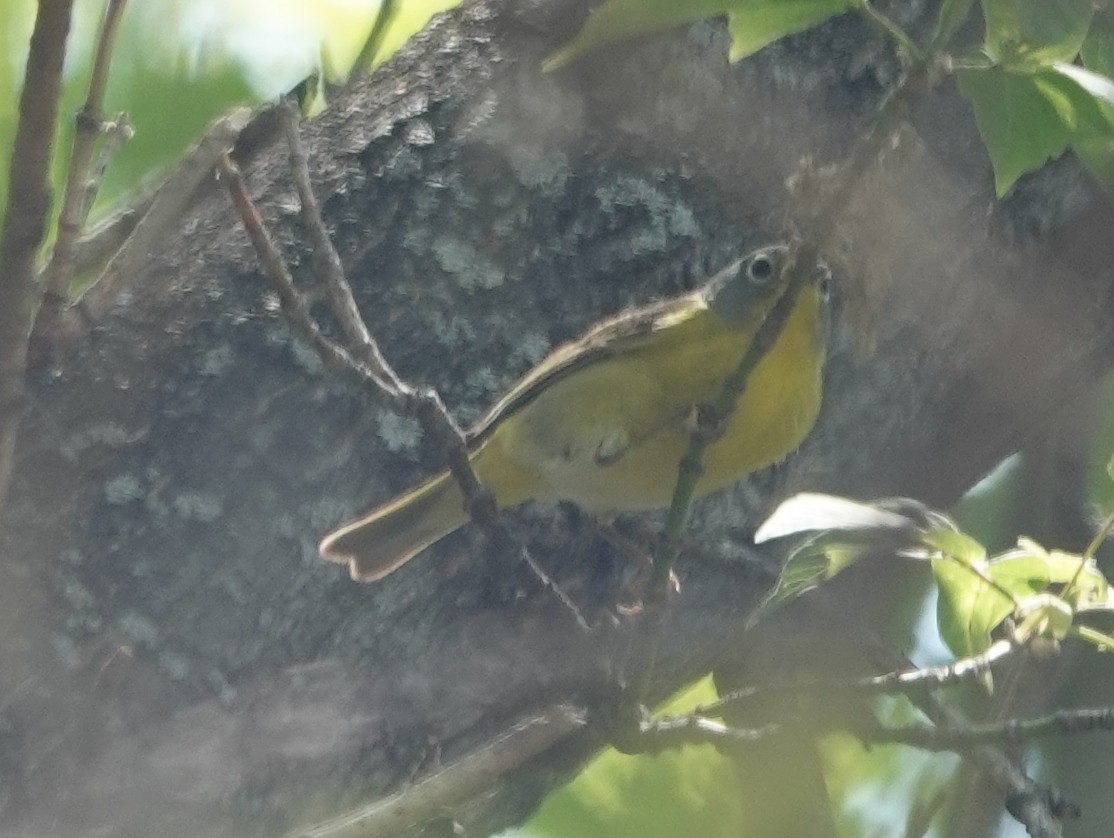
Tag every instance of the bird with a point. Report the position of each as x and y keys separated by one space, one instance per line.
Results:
x=604 y=420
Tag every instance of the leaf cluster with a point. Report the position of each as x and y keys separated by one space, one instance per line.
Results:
x=1031 y=595
x=1039 y=82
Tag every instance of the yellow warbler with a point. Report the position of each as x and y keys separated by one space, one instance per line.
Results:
x=603 y=421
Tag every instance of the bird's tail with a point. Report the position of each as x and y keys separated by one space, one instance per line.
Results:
x=394 y=533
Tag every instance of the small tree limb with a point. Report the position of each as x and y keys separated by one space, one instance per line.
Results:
x=24 y=229
x=81 y=186
x=454 y=784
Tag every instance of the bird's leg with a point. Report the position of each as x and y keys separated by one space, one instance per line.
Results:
x=633 y=551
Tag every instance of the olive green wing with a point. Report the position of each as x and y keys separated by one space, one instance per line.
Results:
x=624 y=333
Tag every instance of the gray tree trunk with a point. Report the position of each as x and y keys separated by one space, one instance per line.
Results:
x=176 y=660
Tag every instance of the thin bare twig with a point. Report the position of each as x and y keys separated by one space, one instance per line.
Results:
x=116 y=132
x=425 y=405
x=908 y=681
x=77 y=198
x=660 y=735
x=366 y=362
x=713 y=417
x=1009 y=732
x=550 y=584
x=821 y=198
x=1037 y=808
x=326 y=260
x=293 y=303
x=25 y=218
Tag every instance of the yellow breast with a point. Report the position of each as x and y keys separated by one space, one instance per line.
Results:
x=610 y=436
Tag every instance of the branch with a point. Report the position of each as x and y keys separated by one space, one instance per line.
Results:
x=366 y=362
x=81 y=186
x=163 y=210
x=678 y=731
x=918 y=681
x=456 y=783
x=1040 y=809
x=25 y=218
x=1037 y=808
x=293 y=303
x=961 y=738
x=711 y=421
x=820 y=199
x=654 y=736
x=326 y=260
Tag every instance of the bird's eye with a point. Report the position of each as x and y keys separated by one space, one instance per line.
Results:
x=760 y=270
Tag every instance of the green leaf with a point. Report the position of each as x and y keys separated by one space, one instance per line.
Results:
x=143 y=87
x=1034 y=33
x=619 y=20
x=1097 y=51
x=1042 y=589
x=691 y=791
x=1030 y=569
x=274 y=46
x=1097 y=156
x=1024 y=570
x=1091 y=97
x=968 y=608
x=752 y=23
x=951 y=17
x=1088 y=91
x=943 y=539
x=174 y=52
x=848 y=530
x=814 y=512
x=817 y=560
x=405 y=18
x=1020 y=124
x=344 y=28
x=758 y=23
x=1096 y=606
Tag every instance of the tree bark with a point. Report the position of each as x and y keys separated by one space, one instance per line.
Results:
x=176 y=659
